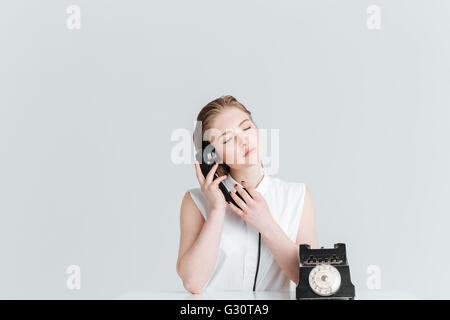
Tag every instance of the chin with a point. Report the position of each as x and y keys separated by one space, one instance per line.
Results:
x=246 y=163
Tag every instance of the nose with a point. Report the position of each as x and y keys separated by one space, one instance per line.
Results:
x=243 y=139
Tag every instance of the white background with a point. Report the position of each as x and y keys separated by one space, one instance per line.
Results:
x=86 y=118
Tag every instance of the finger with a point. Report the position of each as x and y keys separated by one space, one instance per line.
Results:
x=238 y=200
x=220 y=179
x=243 y=194
x=210 y=175
x=198 y=172
x=236 y=210
x=251 y=190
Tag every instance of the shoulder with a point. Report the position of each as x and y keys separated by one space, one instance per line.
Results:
x=187 y=200
x=191 y=218
x=195 y=200
x=190 y=195
x=192 y=192
x=195 y=194
x=291 y=188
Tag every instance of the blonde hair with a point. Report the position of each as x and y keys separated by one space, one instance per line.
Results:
x=207 y=115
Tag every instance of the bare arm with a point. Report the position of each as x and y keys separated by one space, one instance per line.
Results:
x=284 y=250
x=200 y=239
x=307 y=233
x=199 y=244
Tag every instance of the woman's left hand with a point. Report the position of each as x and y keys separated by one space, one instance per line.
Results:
x=254 y=210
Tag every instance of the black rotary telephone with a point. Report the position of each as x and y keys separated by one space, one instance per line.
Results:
x=207 y=158
x=324 y=274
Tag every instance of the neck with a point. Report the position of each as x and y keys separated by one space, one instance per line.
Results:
x=252 y=175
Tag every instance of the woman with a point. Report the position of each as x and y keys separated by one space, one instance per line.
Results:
x=255 y=246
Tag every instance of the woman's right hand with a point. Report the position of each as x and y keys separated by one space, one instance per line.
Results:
x=210 y=187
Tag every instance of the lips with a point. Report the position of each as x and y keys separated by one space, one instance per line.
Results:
x=248 y=152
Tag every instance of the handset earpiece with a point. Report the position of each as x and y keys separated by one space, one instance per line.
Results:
x=207 y=158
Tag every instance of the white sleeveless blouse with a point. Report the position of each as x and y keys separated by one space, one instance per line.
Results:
x=238 y=253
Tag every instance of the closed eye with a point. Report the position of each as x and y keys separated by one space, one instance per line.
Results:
x=230 y=138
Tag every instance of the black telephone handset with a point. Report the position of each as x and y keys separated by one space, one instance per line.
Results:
x=207 y=158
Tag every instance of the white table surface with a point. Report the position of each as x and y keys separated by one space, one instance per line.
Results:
x=258 y=295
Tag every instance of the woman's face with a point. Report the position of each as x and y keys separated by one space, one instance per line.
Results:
x=235 y=138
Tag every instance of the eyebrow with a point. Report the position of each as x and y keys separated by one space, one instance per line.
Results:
x=238 y=126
